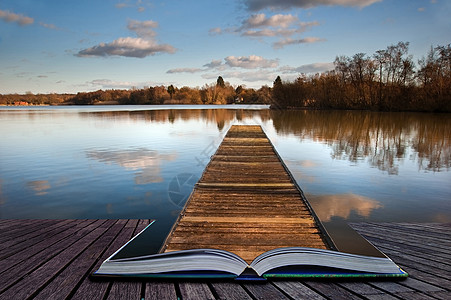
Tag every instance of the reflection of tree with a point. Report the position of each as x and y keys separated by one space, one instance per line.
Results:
x=383 y=139
x=341 y=205
x=220 y=117
x=146 y=162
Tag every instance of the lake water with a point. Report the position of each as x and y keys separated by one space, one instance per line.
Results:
x=142 y=162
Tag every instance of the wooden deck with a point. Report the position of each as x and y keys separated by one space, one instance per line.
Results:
x=246 y=202
x=52 y=259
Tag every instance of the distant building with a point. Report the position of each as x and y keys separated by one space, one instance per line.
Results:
x=21 y=103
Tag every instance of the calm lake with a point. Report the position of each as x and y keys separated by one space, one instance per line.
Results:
x=142 y=161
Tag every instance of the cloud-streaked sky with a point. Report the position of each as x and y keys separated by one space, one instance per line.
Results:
x=84 y=45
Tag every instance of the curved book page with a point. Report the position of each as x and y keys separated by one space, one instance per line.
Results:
x=177 y=261
x=300 y=256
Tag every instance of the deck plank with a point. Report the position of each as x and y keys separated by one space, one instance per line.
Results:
x=297 y=290
x=195 y=291
x=133 y=288
x=36 y=280
x=265 y=291
x=62 y=286
x=26 y=241
x=97 y=289
x=230 y=291
x=160 y=290
x=26 y=262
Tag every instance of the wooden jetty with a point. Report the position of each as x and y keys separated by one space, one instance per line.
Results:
x=246 y=202
x=52 y=259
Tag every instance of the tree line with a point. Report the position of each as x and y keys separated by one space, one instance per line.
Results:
x=220 y=92
x=388 y=80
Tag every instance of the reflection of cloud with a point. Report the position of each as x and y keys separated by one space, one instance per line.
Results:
x=442 y=218
x=2 y=199
x=299 y=175
x=341 y=205
x=308 y=164
x=109 y=208
x=297 y=166
x=39 y=186
x=146 y=162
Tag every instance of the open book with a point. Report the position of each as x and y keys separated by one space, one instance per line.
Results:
x=214 y=263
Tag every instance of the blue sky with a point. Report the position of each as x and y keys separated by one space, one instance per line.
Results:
x=68 y=46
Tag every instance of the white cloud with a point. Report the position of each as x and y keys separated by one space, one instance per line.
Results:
x=277 y=25
x=250 y=62
x=128 y=47
x=285 y=26
x=184 y=70
x=140 y=47
x=214 y=64
x=110 y=84
x=260 y=20
x=289 y=41
x=22 y=20
x=308 y=68
x=140 y=5
x=253 y=76
x=143 y=29
x=215 y=31
x=256 y=5
x=49 y=26
x=300 y=28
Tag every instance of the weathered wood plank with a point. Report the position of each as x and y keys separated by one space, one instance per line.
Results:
x=90 y=289
x=236 y=220
x=331 y=290
x=24 y=264
x=401 y=240
x=133 y=288
x=28 y=240
x=297 y=290
x=19 y=231
x=265 y=291
x=406 y=236
x=427 y=275
x=230 y=291
x=195 y=291
x=160 y=290
x=125 y=291
x=32 y=283
x=28 y=250
x=62 y=286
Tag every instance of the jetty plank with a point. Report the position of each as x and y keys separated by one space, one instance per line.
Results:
x=246 y=202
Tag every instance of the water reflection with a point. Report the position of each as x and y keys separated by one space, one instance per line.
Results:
x=2 y=198
x=382 y=139
x=342 y=205
x=147 y=161
x=220 y=117
x=127 y=148
x=40 y=187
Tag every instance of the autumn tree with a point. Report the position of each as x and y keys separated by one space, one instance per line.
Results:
x=171 y=90
x=220 y=82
